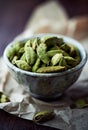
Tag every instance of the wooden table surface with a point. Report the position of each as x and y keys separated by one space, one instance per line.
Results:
x=13 y=17
x=12 y=122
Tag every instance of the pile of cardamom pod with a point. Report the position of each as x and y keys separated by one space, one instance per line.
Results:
x=44 y=55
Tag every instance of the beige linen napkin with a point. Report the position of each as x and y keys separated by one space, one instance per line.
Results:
x=49 y=17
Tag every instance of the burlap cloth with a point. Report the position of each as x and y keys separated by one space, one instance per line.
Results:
x=50 y=18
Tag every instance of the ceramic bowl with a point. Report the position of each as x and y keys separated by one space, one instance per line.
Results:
x=47 y=86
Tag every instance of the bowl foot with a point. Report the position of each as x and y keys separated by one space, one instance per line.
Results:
x=47 y=99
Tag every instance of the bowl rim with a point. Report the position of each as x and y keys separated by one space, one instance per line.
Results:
x=66 y=38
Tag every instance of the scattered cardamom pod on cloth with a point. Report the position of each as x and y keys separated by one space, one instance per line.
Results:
x=3 y=98
x=43 y=116
x=81 y=103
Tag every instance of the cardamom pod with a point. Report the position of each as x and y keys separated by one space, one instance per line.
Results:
x=17 y=47
x=50 y=69
x=70 y=60
x=35 y=43
x=80 y=103
x=41 y=52
x=72 y=50
x=43 y=116
x=53 y=48
x=62 y=62
x=21 y=51
x=65 y=47
x=10 y=53
x=22 y=65
x=23 y=57
x=50 y=41
x=77 y=55
x=56 y=58
x=14 y=59
x=3 y=98
x=30 y=55
x=36 y=65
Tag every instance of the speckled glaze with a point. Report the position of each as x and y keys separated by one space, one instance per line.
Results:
x=47 y=86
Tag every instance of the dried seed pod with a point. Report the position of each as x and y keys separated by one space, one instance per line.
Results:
x=80 y=103
x=62 y=62
x=72 y=51
x=3 y=98
x=53 y=52
x=41 y=52
x=43 y=116
x=10 y=53
x=17 y=47
x=53 y=48
x=50 y=69
x=23 y=65
x=50 y=41
x=14 y=59
x=70 y=60
x=77 y=55
x=65 y=47
x=27 y=44
x=21 y=51
x=35 y=43
x=23 y=57
x=36 y=65
x=56 y=58
x=30 y=55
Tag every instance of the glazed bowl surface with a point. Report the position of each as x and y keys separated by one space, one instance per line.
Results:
x=47 y=86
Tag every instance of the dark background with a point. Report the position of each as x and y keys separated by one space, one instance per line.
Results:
x=15 y=13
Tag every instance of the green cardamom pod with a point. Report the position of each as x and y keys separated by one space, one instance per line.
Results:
x=27 y=44
x=36 y=65
x=23 y=65
x=62 y=62
x=70 y=60
x=77 y=55
x=50 y=41
x=65 y=47
x=56 y=58
x=53 y=48
x=3 y=98
x=21 y=51
x=17 y=47
x=23 y=57
x=50 y=69
x=35 y=43
x=80 y=103
x=43 y=116
x=41 y=52
x=10 y=53
x=14 y=59
x=53 y=52
x=72 y=51
x=30 y=55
